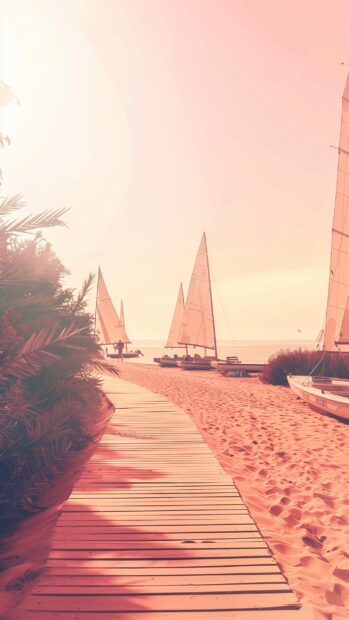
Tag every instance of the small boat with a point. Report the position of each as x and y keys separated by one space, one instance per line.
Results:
x=196 y=362
x=167 y=361
x=109 y=327
x=198 y=326
x=323 y=394
x=329 y=394
x=126 y=354
x=229 y=366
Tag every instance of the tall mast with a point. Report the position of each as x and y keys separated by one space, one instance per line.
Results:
x=338 y=286
x=198 y=321
x=122 y=317
x=211 y=301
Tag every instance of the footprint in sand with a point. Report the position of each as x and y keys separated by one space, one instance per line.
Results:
x=294 y=517
x=309 y=561
x=342 y=574
x=312 y=542
x=276 y=510
x=338 y=596
x=285 y=500
x=284 y=549
x=273 y=491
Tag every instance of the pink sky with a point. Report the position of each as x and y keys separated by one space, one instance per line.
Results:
x=155 y=120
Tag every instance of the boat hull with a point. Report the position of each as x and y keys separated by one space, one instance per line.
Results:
x=195 y=365
x=167 y=362
x=125 y=355
x=171 y=362
x=224 y=367
x=331 y=399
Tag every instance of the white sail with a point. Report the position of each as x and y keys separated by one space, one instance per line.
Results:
x=122 y=315
x=338 y=290
x=122 y=319
x=176 y=325
x=343 y=338
x=108 y=325
x=198 y=321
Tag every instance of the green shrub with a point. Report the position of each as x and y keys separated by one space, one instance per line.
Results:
x=303 y=362
x=49 y=393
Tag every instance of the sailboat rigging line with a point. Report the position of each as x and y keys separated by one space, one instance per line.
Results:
x=322 y=358
x=339 y=232
x=222 y=307
x=338 y=148
x=333 y=269
x=210 y=289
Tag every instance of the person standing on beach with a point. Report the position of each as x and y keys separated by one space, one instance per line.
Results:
x=120 y=348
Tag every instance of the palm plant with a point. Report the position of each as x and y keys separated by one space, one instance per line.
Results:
x=49 y=392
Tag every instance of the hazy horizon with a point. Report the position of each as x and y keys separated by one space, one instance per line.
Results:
x=157 y=120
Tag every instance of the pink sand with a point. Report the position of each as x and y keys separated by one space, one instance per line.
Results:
x=290 y=465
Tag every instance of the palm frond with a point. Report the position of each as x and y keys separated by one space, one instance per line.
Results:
x=49 y=393
x=33 y=303
x=42 y=349
x=101 y=365
x=47 y=219
x=8 y=205
x=80 y=303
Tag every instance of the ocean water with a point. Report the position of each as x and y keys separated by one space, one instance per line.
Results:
x=257 y=351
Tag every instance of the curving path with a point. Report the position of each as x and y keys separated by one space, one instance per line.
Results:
x=155 y=529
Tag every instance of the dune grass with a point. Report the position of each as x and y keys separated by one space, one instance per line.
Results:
x=303 y=362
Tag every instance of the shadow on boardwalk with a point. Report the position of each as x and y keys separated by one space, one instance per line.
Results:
x=99 y=560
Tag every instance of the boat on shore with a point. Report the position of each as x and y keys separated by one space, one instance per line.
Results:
x=198 y=325
x=330 y=395
x=109 y=327
x=230 y=366
x=196 y=362
x=323 y=394
x=125 y=354
x=168 y=361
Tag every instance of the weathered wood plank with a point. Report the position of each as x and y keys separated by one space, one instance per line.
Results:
x=132 y=601
x=230 y=614
x=155 y=529
x=160 y=580
x=168 y=571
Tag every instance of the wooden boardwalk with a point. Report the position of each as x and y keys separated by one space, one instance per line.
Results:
x=156 y=529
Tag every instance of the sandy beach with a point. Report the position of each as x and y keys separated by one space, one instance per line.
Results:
x=290 y=465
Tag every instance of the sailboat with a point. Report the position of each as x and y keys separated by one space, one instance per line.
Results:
x=198 y=326
x=108 y=326
x=328 y=394
x=176 y=325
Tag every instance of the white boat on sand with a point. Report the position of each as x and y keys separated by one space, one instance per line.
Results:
x=329 y=394
x=323 y=394
x=109 y=327
x=198 y=326
x=167 y=361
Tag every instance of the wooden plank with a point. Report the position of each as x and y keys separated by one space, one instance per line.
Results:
x=177 y=572
x=132 y=601
x=213 y=614
x=114 y=534
x=188 y=562
x=160 y=580
x=176 y=531
x=155 y=529
x=166 y=545
x=157 y=588
x=162 y=552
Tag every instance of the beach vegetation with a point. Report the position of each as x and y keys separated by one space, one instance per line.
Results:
x=304 y=362
x=49 y=390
